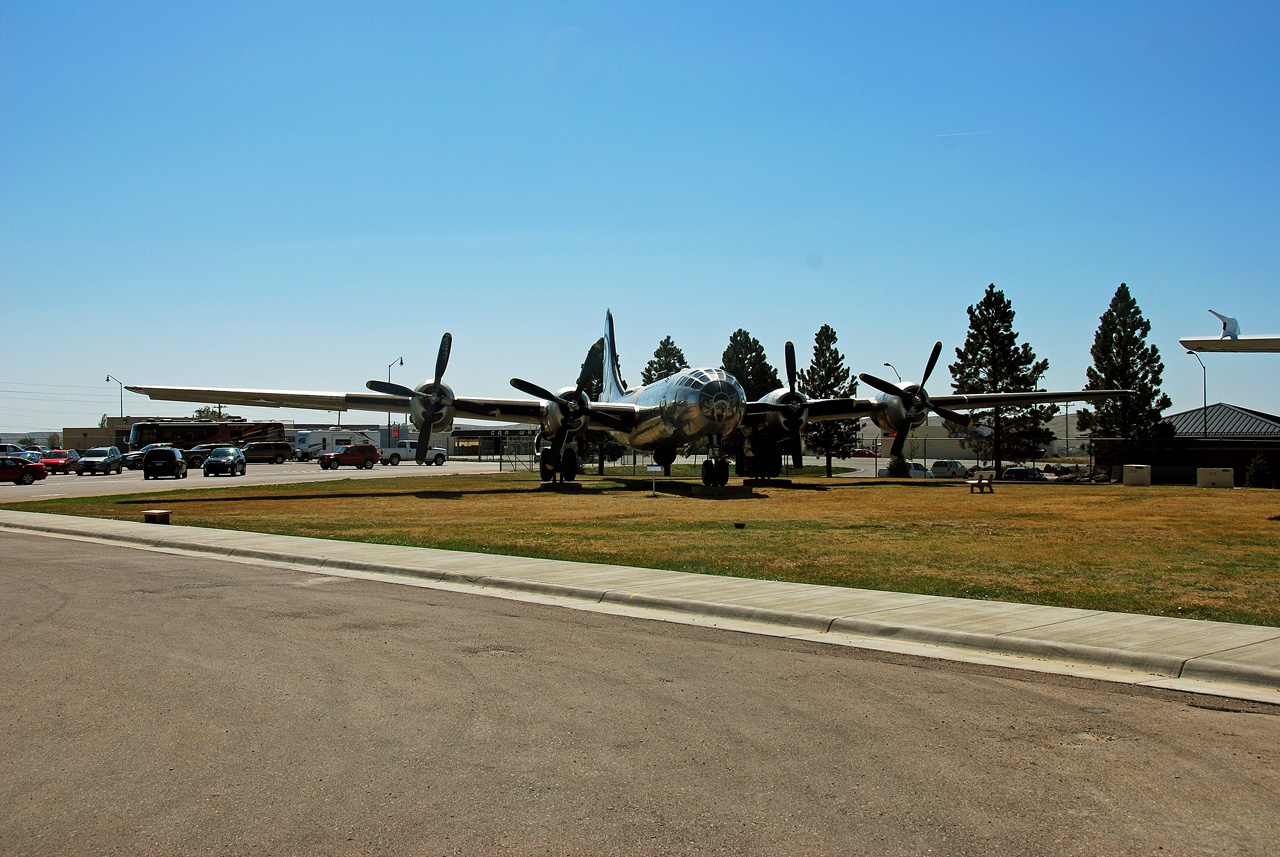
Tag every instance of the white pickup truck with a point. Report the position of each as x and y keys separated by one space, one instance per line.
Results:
x=407 y=450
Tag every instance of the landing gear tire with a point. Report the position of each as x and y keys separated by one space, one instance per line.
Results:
x=722 y=472
x=547 y=466
x=708 y=472
x=568 y=465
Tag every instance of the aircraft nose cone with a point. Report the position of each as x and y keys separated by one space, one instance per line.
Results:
x=722 y=402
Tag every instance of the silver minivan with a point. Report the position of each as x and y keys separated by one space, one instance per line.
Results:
x=948 y=469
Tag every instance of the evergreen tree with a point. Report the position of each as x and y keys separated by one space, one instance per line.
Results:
x=1122 y=360
x=1259 y=473
x=745 y=360
x=828 y=378
x=667 y=360
x=992 y=361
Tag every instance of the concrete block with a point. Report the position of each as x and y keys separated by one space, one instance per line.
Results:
x=1215 y=477
x=1137 y=474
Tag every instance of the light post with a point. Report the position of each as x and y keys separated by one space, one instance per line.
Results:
x=895 y=371
x=397 y=361
x=121 y=383
x=1204 y=391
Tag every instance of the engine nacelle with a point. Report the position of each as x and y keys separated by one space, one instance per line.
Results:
x=783 y=422
x=442 y=417
x=891 y=415
x=554 y=416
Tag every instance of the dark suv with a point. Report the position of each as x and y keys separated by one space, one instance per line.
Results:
x=356 y=455
x=100 y=459
x=164 y=461
x=272 y=452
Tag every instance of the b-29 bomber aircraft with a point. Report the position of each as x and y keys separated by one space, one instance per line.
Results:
x=684 y=410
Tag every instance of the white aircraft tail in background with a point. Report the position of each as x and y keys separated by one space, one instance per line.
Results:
x=1230 y=340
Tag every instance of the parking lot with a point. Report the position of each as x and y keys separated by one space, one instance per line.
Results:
x=131 y=481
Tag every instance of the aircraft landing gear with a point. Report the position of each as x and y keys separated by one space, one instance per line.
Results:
x=715 y=468
x=564 y=465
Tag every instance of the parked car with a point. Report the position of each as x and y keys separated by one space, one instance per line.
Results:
x=356 y=455
x=133 y=460
x=100 y=459
x=60 y=460
x=1022 y=474
x=407 y=450
x=948 y=469
x=915 y=470
x=29 y=454
x=164 y=461
x=20 y=471
x=273 y=452
x=196 y=455
x=226 y=459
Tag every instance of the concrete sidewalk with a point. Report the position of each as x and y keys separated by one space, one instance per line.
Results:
x=1238 y=661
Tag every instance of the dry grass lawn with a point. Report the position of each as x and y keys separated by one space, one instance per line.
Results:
x=1172 y=551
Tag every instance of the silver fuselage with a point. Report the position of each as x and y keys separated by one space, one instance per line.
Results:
x=682 y=409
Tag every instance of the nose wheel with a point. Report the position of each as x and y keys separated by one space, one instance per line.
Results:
x=715 y=468
x=716 y=472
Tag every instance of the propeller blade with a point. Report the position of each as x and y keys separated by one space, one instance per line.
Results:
x=537 y=392
x=900 y=440
x=791 y=366
x=595 y=359
x=607 y=420
x=964 y=420
x=933 y=360
x=390 y=389
x=882 y=386
x=442 y=358
x=797 y=450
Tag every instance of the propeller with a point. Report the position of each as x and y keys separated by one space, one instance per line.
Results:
x=794 y=403
x=576 y=405
x=913 y=400
x=430 y=397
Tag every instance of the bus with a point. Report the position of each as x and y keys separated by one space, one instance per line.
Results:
x=186 y=433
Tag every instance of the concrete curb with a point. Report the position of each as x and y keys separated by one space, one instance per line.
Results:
x=1214 y=667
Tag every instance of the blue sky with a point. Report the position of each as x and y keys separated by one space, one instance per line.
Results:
x=292 y=196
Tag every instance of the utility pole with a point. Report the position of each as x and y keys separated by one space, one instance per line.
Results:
x=1204 y=391
x=399 y=361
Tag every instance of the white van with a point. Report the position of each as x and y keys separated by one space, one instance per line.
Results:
x=948 y=469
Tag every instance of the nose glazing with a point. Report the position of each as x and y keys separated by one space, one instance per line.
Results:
x=719 y=400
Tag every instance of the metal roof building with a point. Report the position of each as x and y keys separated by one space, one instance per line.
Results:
x=1225 y=421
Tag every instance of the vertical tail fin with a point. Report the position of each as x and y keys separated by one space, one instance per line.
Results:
x=613 y=388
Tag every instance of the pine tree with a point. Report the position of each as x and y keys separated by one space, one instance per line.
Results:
x=1122 y=360
x=992 y=361
x=745 y=360
x=667 y=360
x=828 y=378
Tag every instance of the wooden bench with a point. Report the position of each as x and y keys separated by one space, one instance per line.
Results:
x=982 y=482
x=155 y=516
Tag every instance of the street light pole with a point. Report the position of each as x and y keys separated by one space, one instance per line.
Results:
x=400 y=361
x=1204 y=391
x=121 y=383
x=895 y=371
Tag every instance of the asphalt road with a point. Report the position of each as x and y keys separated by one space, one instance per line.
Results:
x=165 y=704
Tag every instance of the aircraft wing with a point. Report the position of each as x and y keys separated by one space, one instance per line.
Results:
x=311 y=400
x=982 y=401
x=1256 y=344
x=502 y=410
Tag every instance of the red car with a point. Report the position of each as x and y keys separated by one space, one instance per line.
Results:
x=19 y=471
x=59 y=460
x=356 y=455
